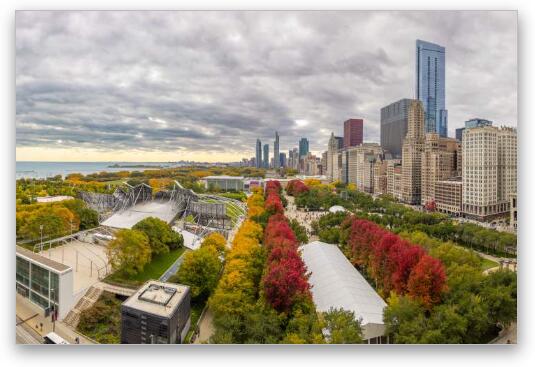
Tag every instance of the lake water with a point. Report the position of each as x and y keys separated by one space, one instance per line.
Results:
x=50 y=169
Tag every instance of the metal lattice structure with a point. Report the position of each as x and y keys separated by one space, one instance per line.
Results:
x=205 y=212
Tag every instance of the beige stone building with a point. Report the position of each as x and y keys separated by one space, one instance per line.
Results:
x=449 y=196
x=334 y=157
x=393 y=178
x=411 y=156
x=439 y=162
x=489 y=171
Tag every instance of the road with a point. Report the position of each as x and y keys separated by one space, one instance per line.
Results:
x=24 y=336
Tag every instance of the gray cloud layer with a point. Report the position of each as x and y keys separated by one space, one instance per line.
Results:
x=216 y=81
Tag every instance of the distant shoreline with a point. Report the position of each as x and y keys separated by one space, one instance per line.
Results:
x=133 y=166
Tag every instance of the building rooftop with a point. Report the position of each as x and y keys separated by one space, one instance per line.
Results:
x=223 y=177
x=337 y=284
x=51 y=264
x=157 y=298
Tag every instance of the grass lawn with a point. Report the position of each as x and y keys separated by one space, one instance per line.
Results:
x=487 y=264
x=153 y=270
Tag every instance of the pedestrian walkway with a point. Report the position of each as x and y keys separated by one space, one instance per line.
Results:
x=206 y=328
x=41 y=325
x=173 y=268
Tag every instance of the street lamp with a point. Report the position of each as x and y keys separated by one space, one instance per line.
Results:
x=41 y=230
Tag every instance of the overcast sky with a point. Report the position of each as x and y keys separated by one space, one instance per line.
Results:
x=165 y=86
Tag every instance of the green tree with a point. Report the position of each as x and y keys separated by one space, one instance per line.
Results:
x=161 y=237
x=299 y=230
x=129 y=252
x=200 y=270
x=342 y=327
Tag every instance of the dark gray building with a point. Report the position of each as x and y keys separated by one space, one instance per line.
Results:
x=394 y=119
x=266 y=156
x=158 y=313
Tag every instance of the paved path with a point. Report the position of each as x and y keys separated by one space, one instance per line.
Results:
x=25 y=309
x=507 y=336
x=206 y=328
x=173 y=268
x=304 y=218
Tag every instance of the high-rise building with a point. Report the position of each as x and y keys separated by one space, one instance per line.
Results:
x=360 y=165
x=303 y=147
x=334 y=159
x=353 y=132
x=266 y=156
x=411 y=157
x=258 y=157
x=394 y=174
x=431 y=85
x=394 y=126
x=489 y=171
x=475 y=122
x=282 y=159
x=439 y=162
x=276 y=157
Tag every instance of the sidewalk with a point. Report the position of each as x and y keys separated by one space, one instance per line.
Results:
x=25 y=309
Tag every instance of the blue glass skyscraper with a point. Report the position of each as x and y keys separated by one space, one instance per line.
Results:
x=431 y=85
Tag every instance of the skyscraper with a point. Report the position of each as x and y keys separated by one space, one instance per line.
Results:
x=303 y=147
x=258 y=159
x=411 y=159
x=282 y=159
x=266 y=156
x=394 y=126
x=353 y=132
x=276 y=157
x=431 y=85
x=334 y=160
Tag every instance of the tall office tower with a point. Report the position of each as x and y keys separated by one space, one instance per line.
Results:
x=475 y=122
x=266 y=156
x=360 y=160
x=394 y=176
x=323 y=163
x=353 y=132
x=282 y=159
x=258 y=153
x=333 y=158
x=295 y=163
x=276 y=157
x=431 y=85
x=303 y=147
x=411 y=156
x=439 y=162
x=394 y=126
x=489 y=171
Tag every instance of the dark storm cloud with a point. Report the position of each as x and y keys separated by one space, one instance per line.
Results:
x=215 y=81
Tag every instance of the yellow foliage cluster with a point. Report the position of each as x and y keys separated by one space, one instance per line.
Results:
x=310 y=182
x=217 y=241
x=255 y=203
x=159 y=184
x=237 y=287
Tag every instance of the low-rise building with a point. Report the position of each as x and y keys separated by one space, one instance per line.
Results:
x=45 y=282
x=225 y=183
x=158 y=313
x=449 y=196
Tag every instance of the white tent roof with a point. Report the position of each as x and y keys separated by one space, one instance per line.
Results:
x=337 y=284
x=336 y=208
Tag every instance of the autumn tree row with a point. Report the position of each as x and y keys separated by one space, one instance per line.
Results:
x=296 y=187
x=394 y=263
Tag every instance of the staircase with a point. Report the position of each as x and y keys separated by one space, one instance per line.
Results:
x=91 y=296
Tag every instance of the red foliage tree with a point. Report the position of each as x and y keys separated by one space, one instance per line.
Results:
x=272 y=187
x=273 y=203
x=285 y=282
x=427 y=281
x=296 y=187
x=402 y=258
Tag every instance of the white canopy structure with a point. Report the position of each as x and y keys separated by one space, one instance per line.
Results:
x=336 y=209
x=337 y=284
x=191 y=240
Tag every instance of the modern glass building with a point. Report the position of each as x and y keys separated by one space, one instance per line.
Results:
x=394 y=119
x=303 y=147
x=266 y=156
x=258 y=159
x=45 y=282
x=431 y=85
x=276 y=157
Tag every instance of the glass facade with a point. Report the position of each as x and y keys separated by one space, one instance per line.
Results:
x=431 y=85
x=37 y=283
x=303 y=147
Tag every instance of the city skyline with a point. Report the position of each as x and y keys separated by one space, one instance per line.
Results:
x=85 y=93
